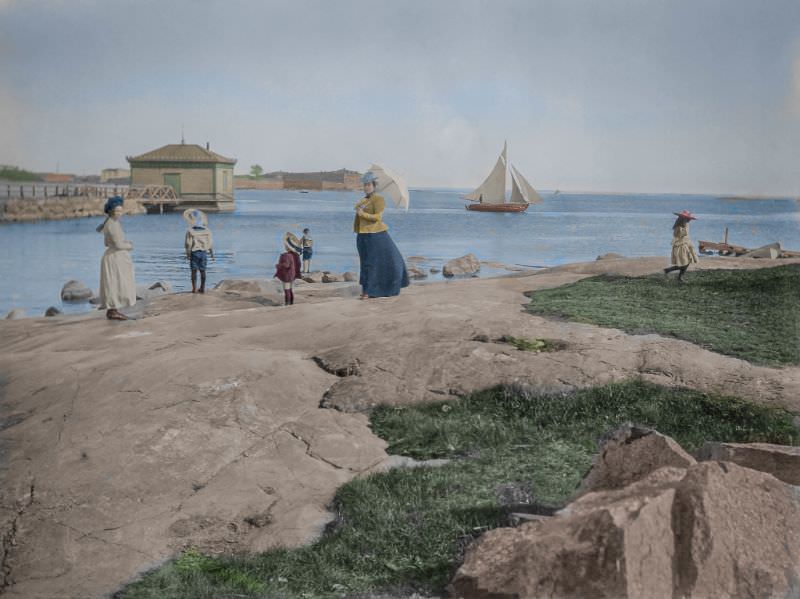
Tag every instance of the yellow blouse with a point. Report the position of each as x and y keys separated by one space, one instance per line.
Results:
x=371 y=221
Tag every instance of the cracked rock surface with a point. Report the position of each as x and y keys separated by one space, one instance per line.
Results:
x=203 y=422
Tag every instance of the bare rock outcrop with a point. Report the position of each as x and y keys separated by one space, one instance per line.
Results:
x=709 y=529
x=781 y=461
x=239 y=286
x=465 y=265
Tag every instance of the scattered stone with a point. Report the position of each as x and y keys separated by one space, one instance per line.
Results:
x=415 y=272
x=630 y=454
x=350 y=277
x=15 y=314
x=481 y=337
x=239 y=286
x=259 y=520
x=75 y=291
x=781 y=461
x=313 y=277
x=331 y=277
x=52 y=311
x=465 y=265
x=610 y=256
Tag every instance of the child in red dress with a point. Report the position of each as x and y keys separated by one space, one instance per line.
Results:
x=288 y=267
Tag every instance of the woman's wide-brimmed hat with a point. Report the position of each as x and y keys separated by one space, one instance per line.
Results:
x=292 y=243
x=112 y=203
x=368 y=177
x=195 y=217
x=685 y=214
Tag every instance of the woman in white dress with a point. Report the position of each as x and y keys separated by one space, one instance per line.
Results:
x=117 y=283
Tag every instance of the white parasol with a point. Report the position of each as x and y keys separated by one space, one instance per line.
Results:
x=391 y=185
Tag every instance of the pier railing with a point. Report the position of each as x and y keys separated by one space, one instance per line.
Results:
x=55 y=190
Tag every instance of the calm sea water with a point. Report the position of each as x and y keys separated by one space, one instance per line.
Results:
x=36 y=259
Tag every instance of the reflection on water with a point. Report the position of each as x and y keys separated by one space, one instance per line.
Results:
x=36 y=259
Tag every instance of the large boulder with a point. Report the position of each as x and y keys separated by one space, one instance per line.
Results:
x=630 y=454
x=350 y=277
x=465 y=265
x=331 y=277
x=75 y=291
x=781 y=461
x=52 y=311
x=714 y=529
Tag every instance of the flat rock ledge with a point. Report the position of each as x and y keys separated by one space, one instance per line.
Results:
x=650 y=521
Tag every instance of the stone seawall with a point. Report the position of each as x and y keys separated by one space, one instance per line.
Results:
x=58 y=208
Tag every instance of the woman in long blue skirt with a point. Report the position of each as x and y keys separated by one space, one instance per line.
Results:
x=383 y=270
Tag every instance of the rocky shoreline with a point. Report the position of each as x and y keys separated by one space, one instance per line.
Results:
x=23 y=210
x=225 y=421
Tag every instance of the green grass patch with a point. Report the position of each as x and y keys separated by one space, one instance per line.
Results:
x=750 y=314
x=510 y=450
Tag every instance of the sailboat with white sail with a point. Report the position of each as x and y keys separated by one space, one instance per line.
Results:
x=490 y=196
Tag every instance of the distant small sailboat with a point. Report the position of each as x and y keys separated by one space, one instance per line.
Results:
x=490 y=196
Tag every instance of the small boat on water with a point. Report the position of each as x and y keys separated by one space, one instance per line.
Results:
x=490 y=196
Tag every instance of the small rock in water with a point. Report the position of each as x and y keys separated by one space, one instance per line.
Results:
x=15 y=314
x=52 y=311
x=610 y=256
x=465 y=265
x=435 y=271
x=75 y=291
x=94 y=300
x=313 y=277
x=164 y=286
x=415 y=272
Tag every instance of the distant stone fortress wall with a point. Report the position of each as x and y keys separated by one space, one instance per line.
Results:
x=342 y=179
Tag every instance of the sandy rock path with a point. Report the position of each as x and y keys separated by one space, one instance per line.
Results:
x=204 y=422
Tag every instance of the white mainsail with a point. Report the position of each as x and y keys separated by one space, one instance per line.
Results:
x=522 y=192
x=493 y=189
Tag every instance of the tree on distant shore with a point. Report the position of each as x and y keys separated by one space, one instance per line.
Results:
x=256 y=171
x=14 y=173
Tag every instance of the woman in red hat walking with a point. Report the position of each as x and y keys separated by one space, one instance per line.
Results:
x=683 y=253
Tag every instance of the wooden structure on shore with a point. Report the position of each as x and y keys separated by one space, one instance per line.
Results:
x=199 y=177
x=728 y=249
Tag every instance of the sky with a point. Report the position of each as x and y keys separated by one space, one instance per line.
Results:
x=688 y=96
